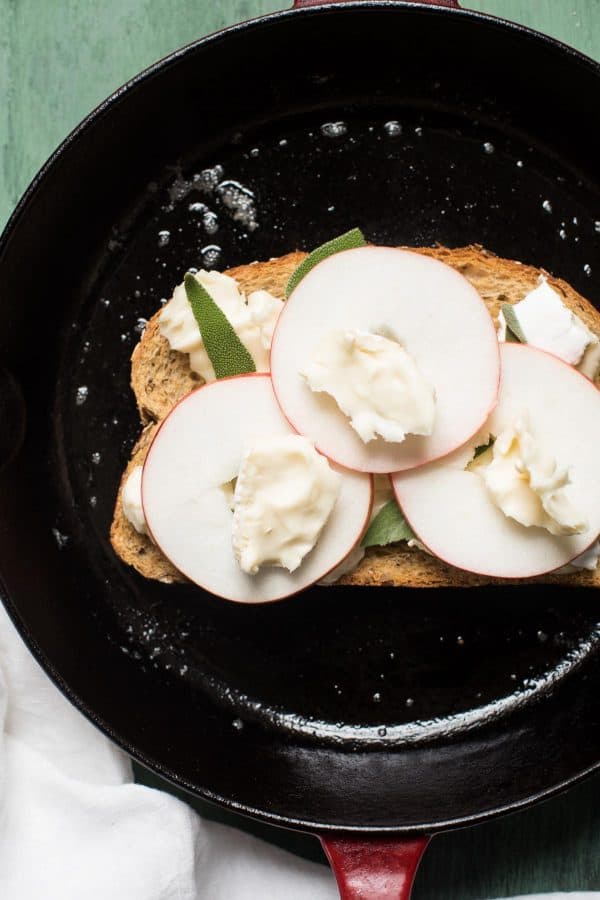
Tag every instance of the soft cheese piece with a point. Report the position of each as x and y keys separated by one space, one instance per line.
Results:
x=528 y=485
x=187 y=482
x=425 y=305
x=548 y=324
x=131 y=500
x=590 y=364
x=588 y=560
x=253 y=319
x=375 y=382
x=264 y=311
x=449 y=506
x=284 y=495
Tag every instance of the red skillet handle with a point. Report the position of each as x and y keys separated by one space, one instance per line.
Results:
x=298 y=3
x=374 y=868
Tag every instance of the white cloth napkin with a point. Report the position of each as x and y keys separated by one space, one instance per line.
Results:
x=74 y=826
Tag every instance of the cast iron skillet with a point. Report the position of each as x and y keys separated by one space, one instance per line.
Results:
x=358 y=713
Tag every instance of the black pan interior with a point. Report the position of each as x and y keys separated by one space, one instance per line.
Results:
x=360 y=709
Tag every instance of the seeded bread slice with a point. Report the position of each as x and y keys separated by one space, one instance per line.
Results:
x=137 y=549
x=161 y=376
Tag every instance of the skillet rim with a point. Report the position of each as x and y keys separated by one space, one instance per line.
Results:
x=501 y=25
x=326 y=8
x=271 y=818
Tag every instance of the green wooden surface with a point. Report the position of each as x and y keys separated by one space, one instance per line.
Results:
x=58 y=59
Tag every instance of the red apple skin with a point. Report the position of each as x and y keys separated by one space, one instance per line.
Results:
x=515 y=578
x=295 y=591
x=366 y=467
x=514 y=347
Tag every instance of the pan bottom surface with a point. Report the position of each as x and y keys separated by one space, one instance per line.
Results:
x=336 y=665
x=339 y=708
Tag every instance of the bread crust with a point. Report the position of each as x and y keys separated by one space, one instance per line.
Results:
x=137 y=549
x=161 y=376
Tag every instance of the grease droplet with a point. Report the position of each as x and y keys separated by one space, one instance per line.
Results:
x=211 y=255
x=208 y=179
x=334 y=129
x=239 y=200
x=210 y=222
x=393 y=128
x=61 y=539
x=81 y=395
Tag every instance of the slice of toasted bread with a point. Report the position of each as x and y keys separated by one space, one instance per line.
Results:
x=161 y=376
x=134 y=548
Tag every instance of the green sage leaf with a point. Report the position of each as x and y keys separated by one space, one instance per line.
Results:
x=388 y=526
x=348 y=241
x=225 y=350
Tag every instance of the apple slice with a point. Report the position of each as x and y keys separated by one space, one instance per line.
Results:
x=450 y=509
x=195 y=455
x=437 y=316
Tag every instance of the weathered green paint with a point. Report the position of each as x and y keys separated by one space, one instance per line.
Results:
x=58 y=60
